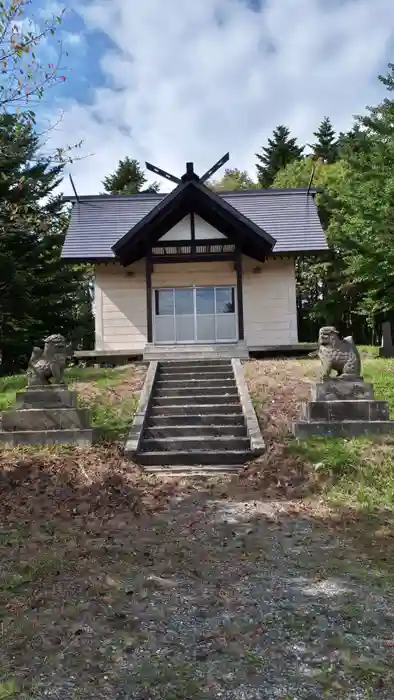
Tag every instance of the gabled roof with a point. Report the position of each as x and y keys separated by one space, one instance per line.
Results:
x=289 y=216
x=193 y=196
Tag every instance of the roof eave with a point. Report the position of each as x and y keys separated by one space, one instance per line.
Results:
x=186 y=198
x=135 y=232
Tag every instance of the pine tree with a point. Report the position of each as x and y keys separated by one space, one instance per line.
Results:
x=39 y=293
x=352 y=141
x=128 y=178
x=281 y=150
x=326 y=145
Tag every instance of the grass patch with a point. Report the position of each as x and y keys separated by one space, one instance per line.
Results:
x=381 y=374
x=102 y=376
x=112 y=421
x=368 y=351
x=8 y=389
x=358 y=472
x=163 y=681
x=9 y=691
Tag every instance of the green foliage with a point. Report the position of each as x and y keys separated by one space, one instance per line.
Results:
x=326 y=144
x=23 y=77
x=112 y=421
x=364 y=226
x=328 y=178
x=234 y=179
x=8 y=689
x=129 y=178
x=32 y=230
x=282 y=149
x=353 y=287
x=320 y=297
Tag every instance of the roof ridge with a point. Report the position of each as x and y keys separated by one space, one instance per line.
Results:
x=273 y=190
x=277 y=191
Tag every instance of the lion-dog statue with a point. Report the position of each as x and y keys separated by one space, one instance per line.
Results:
x=48 y=363
x=339 y=354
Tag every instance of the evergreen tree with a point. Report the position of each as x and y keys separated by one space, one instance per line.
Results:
x=39 y=293
x=128 y=178
x=281 y=150
x=353 y=141
x=365 y=227
x=326 y=145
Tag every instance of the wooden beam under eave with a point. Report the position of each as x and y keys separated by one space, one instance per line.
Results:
x=193 y=232
x=187 y=257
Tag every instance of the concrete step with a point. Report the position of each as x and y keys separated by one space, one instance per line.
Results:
x=196 y=392
x=195 y=383
x=195 y=352
x=196 y=361
x=191 y=470
x=165 y=409
x=193 y=399
x=163 y=375
x=193 y=420
x=196 y=442
x=176 y=367
x=197 y=458
x=178 y=431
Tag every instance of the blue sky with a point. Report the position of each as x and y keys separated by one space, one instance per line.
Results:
x=176 y=80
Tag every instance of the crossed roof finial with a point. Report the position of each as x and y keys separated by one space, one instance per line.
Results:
x=189 y=174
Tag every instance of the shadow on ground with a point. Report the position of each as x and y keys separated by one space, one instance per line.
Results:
x=118 y=585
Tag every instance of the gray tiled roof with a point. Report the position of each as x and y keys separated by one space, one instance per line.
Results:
x=97 y=222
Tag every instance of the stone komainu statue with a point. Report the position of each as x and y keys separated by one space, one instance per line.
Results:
x=338 y=354
x=48 y=363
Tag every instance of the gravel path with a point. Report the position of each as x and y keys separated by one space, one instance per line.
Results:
x=239 y=601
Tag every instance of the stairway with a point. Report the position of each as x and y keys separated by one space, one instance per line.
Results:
x=194 y=419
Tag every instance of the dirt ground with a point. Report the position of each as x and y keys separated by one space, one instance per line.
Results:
x=119 y=585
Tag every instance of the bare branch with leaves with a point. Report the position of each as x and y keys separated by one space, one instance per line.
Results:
x=23 y=76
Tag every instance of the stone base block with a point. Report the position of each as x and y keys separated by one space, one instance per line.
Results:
x=51 y=396
x=46 y=419
x=341 y=390
x=80 y=438
x=343 y=429
x=334 y=411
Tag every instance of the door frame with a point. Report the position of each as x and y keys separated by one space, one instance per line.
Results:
x=194 y=287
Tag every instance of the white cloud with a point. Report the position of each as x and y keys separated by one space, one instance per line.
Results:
x=72 y=39
x=191 y=80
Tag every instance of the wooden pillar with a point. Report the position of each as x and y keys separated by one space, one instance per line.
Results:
x=240 y=300
x=192 y=234
x=148 y=276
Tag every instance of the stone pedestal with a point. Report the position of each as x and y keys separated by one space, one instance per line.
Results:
x=343 y=408
x=46 y=416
